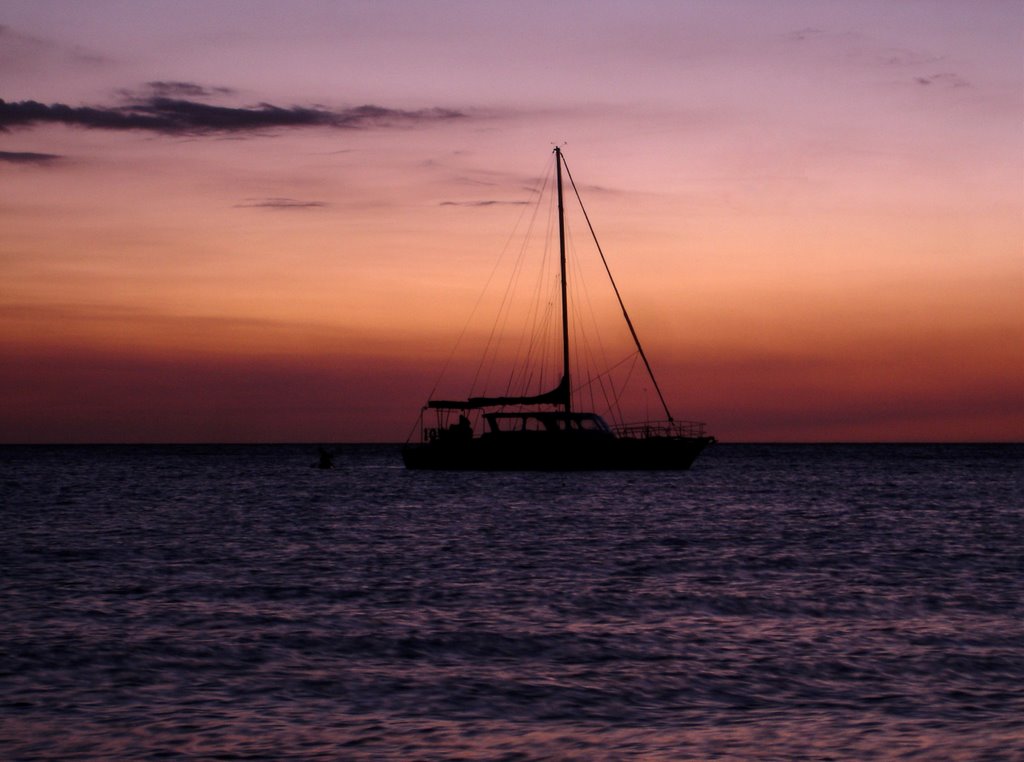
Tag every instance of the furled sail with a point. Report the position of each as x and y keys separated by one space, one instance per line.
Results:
x=557 y=396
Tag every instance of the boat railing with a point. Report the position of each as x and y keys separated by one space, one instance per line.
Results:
x=650 y=429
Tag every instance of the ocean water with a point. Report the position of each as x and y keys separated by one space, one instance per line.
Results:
x=775 y=602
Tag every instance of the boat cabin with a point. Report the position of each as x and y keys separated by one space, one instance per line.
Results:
x=547 y=422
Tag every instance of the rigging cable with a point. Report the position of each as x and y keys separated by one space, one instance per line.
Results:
x=625 y=314
x=536 y=190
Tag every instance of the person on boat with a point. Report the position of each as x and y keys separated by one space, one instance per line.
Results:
x=461 y=430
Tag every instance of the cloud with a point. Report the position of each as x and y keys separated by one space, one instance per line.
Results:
x=278 y=202
x=28 y=157
x=943 y=79
x=21 y=52
x=489 y=202
x=178 y=116
x=854 y=47
x=185 y=89
x=807 y=33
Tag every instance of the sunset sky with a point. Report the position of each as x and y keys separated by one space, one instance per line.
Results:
x=243 y=221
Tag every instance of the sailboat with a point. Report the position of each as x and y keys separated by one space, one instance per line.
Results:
x=545 y=431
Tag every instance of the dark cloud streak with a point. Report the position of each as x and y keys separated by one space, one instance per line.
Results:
x=177 y=116
x=943 y=79
x=279 y=202
x=489 y=202
x=185 y=89
x=28 y=157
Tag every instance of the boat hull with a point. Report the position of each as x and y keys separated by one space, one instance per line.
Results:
x=531 y=454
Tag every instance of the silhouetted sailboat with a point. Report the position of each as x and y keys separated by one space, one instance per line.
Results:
x=543 y=431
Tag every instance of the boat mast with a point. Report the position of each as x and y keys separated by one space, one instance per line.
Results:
x=565 y=299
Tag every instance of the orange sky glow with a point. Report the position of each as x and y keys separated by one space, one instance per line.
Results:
x=815 y=212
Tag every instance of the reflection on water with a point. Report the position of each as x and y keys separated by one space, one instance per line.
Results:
x=789 y=602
